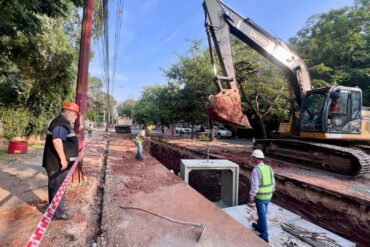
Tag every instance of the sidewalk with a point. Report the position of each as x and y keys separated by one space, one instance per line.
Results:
x=24 y=198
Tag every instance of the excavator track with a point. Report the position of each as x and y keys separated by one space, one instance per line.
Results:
x=349 y=161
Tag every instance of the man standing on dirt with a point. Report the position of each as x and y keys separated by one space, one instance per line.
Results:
x=262 y=188
x=139 y=139
x=60 y=152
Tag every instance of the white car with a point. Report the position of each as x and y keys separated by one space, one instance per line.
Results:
x=222 y=132
x=182 y=130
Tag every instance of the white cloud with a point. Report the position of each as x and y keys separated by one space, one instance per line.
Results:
x=171 y=37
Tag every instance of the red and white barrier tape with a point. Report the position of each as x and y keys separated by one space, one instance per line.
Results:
x=40 y=230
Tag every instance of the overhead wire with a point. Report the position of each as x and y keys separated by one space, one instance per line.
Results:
x=104 y=49
x=106 y=57
x=117 y=36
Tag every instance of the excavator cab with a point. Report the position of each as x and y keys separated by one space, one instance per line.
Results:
x=332 y=110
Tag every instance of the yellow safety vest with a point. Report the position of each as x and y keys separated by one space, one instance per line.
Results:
x=266 y=182
x=139 y=139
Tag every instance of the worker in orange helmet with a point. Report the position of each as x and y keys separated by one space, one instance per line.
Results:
x=60 y=152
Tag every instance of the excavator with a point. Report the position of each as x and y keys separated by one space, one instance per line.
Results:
x=330 y=129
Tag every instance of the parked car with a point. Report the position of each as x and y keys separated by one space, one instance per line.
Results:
x=182 y=130
x=222 y=132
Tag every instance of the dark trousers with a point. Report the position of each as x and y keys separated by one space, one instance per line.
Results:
x=139 y=153
x=55 y=180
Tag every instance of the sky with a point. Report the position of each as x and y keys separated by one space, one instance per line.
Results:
x=155 y=32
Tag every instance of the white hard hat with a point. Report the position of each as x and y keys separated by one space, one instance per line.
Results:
x=142 y=133
x=258 y=154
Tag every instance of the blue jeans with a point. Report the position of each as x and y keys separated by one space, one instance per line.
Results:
x=55 y=180
x=139 y=154
x=262 y=217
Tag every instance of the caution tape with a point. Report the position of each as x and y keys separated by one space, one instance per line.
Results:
x=40 y=230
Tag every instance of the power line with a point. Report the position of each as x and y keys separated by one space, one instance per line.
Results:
x=117 y=36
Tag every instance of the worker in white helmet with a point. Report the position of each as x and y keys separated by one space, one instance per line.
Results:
x=262 y=188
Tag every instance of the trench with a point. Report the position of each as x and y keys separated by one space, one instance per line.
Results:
x=346 y=217
x=96 y=221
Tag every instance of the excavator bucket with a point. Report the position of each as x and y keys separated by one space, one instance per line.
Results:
x=225 y=107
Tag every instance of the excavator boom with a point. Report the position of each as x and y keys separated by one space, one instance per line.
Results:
x=221 y=21
x=317 y=122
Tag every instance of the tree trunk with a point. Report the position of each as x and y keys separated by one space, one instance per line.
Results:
x=263 y=128
x=211 y=133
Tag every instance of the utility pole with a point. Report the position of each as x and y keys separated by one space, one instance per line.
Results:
x=82 y=79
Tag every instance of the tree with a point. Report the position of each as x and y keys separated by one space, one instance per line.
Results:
x=37 y=60
x=193 y=73
x=336 y=47
x=263 y=88
x=95 y=100
x=126 y=108
x=26 y=16
x=150 y=108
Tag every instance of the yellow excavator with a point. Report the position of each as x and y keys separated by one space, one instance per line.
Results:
x=331 y=128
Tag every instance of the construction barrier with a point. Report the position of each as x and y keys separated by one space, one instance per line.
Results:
x=40 y=230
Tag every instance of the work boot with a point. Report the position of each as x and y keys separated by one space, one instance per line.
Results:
x=266 y=240
x=255 y=226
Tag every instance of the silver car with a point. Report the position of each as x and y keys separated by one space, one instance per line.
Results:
x=222 y=132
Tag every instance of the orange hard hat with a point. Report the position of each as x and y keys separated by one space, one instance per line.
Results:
x=72 y=106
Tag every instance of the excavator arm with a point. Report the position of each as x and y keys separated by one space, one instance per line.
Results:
x=221 y=21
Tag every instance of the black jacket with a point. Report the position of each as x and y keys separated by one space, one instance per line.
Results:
x=51 y=159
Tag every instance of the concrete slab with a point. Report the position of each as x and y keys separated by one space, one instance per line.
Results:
x=278 y=237
x=229 y=178
x=246 y=214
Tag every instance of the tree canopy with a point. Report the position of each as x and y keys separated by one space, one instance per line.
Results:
x=37 y=57
x=336 y=47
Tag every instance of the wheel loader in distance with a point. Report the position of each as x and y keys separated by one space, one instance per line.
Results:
x=331 y=128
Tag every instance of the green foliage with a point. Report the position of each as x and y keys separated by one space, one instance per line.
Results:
x=203 y=138
x=336 y=47
x=37 y=58
x=37 y=124
x=193 y=74
x=96 y=100
x=25 y=16
x=14 y=121
x=13 y=91
x=184 y=97
x=264 y=89
x=149 y=109
x=70 y=237
x=126 y=108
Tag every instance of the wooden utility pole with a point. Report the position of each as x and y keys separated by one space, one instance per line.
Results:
x=82 y=80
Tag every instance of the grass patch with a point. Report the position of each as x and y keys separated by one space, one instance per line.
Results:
x=70 y=237
x=203 y=138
